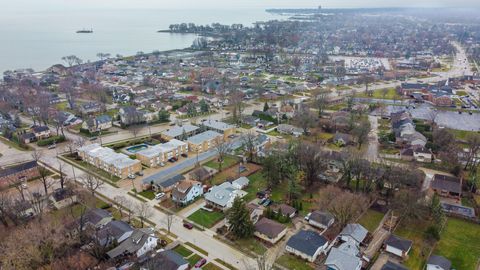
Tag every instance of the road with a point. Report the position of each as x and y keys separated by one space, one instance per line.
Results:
x=372 y=150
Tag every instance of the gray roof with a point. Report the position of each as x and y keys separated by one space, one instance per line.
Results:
x=321 y=217
x=241 y=181
x=217 y=125
x=448 y=183
x=356 y=231
x=179 y=130
x=165 y=260
x=114 y=229
x=399 y=243
x=307 y=242
x=269 y=227
x=222 y=194
x=96 y=215
x=342 y=260
x=393 y=266
x=18 y=168
x=171 y=181
x=204 y=136
x=132 y=244
x=440 y=261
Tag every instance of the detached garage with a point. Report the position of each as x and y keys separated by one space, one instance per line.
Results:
x=398 y=246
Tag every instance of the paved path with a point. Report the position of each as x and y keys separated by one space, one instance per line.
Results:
x=372 y=150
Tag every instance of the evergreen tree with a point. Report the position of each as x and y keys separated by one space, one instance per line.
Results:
x=265 y=107
x=163 y=116
x=239 y=218
x=204 y=108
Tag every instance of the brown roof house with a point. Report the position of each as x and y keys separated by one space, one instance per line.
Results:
x=269 y=230
x=447 y=186
x=285 y=209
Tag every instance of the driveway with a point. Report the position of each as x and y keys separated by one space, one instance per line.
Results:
x=372 y=150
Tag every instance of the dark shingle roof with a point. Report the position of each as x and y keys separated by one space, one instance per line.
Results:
x=167 y=260
x=393 y=266
x=96 y=215
x=40 y=129
x=18 y=168
x=306 y=242
x=321 y=217
x=449 y=183
x=269 y=227
x=399 y=243
x=440 y=261
x=171 y=181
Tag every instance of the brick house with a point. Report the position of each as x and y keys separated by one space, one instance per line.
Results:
x=20 y=172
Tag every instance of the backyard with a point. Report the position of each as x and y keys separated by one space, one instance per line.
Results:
x=459 y=243
x=228 y=161
x=292 y=262
x=205 y=218
x=371 y=219
x=415 y=231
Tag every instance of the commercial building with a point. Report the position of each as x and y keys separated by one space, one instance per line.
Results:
x=110 y=161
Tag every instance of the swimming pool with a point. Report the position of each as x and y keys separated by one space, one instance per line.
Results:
x=134 y=149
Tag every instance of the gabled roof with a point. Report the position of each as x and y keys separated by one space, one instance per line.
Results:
x=307 y=242
x=133 y=243
x=172 y=181
x=204 y=136
x=115 y=229
x=321 y=217
x=440 y=261
x=39 y=129
x=399 y=243
x=96 y=215
x=269 y=227
x=355 y=231
x=393 y=266
x=342 y=260
x=241 y=181
x=166 y=260
x=284 y=208
x=445 y=182
x=18 y=168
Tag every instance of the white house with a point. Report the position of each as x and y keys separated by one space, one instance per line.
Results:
x=187 y=191
x=139 y=243
x=398 y=246
x=307 y=245
x=222 y=196
x=354 y=233
x=241 y=182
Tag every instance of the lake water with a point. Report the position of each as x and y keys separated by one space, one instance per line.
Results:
x=31 y=39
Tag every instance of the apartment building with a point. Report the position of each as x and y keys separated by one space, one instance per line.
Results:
x=110 y=161
x=158 y=154
x=204 y=141
x=220 y=127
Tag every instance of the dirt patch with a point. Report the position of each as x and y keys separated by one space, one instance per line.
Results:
x=232 y=173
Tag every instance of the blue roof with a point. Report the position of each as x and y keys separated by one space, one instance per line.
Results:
x=306 y=242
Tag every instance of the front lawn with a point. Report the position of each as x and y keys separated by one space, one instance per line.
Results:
x=371 y=219
x=293 y=263
x=211 y=266
x=183 y=251
x=149 y=194
x=193 y=259
x=205 y=218
x=228 y=161
x=459 y=243
x=251 y=244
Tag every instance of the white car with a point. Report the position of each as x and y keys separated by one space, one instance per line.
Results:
x=131 y=176
x=160 y=195
x=307 y=217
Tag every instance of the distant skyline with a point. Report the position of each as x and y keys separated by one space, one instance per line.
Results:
x=27 y=5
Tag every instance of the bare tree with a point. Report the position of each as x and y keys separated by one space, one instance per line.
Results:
x=222 y=147
x=42 y=171
x=63 y=178
x=91 y=183
x=121 y=202
x=135 y=129
x=361 y=131
x=248 y=143
x=321 y=103
x=344 y=205
x=103 y=56
x=5 y=207
x=384 y=92
x=471 y=160
x=143 y=212
x=72 y=60
x=432 y=117
x=18 y=186
x=304 y=118
x=38 y=203
x=169 y=221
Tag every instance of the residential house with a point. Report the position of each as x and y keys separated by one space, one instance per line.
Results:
x=62 y=198
x=269 y=230
x=139 y=243
x=110 y=161
x=220 y=127
x=307 y=245
x=322 y=220
x=186 y=192
x=91 y=108
x=342 y=139
x=95 y=124
x=18 y=173
x=130 y=116
x=97 y=218
x=241 y=182
x=222 y=196
x=422 y=154
x=201 y=174
x=114 y=231
x=204 y=141
x=261 y=142
x=169 y=184
x=28 y=137
x=398 y=246
x=447 y=186
x=437 y=262
x=41 y=132
x=289 y=130
x=284 y=209
x=354 y=232
x=344 y=257
x=393 y=266
x=180 y=132
x=157 y=155
x=165 y=260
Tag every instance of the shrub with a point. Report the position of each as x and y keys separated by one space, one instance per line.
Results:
x=51 y=140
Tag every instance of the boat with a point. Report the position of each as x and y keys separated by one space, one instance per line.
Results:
x=85 y=31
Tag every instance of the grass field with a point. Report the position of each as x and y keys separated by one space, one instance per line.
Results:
x=211 y=266
x=251 y=244
x=387 y=93
x=205 y=218
x=460 y=244
x=257 y=183
x=293 y=263
x=193 y=259
x=415 y=231
x=182 y=251
x=228 y=161
x=462 y=134
x=371 y=219
x=149 y=194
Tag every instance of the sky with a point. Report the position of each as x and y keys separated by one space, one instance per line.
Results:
x=12 y=5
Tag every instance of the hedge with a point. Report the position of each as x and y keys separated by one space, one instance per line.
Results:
x=51 y=140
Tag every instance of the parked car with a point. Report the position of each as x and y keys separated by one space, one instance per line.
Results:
x=201 y=263
x=52 y=146
x=184 y=155
x=261 y=194
x=162 y=164
x=267 y=202
x=93 y=138
x=140 y=173
x=160 y=195
x=131 y=176
x=307 y=217
x=188 y=225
